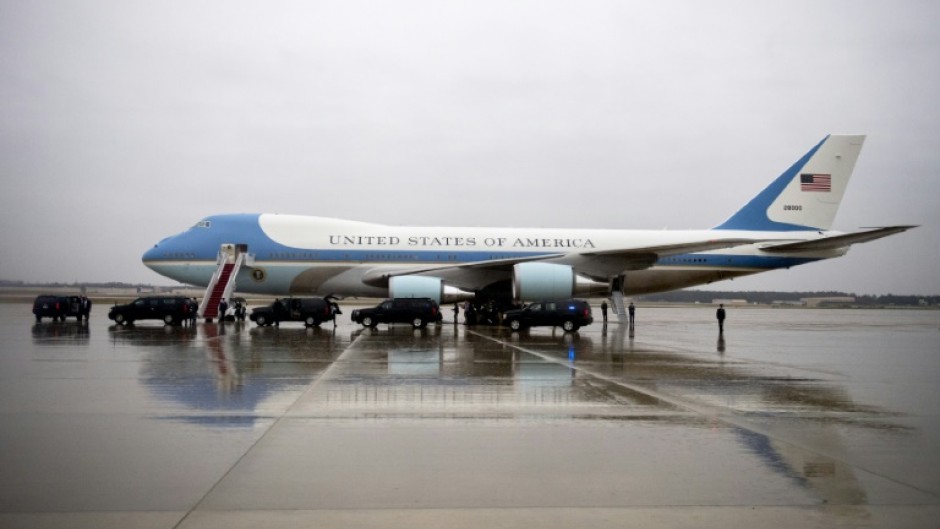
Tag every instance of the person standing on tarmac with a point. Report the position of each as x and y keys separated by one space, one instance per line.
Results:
x=334 y=308
x=604 y=310
x=84 y=309
x=720 y=314
x=631 y=311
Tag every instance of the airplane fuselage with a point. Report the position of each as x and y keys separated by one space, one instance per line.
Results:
x=293 y=254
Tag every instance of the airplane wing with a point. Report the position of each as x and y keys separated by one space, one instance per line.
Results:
x=602 y=264
x=379 y=276
x=836 y=241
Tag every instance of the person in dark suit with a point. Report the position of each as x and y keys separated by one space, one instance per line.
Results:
x=720 y=314
x=84 y=309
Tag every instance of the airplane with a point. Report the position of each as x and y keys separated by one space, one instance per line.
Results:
x=787 y=224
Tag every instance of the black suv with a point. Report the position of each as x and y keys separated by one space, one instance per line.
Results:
x=416 y=311
x=569 y=314
x=56 y=307
x=311 y=311
x=171 y=309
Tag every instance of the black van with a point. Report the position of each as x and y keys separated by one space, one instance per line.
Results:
x=311 y=311
x=172 y=310
x=56 y=307
x=569 y=314
x=416 y=311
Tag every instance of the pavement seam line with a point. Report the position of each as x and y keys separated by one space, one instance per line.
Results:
x=716 y=413
x=310 y=387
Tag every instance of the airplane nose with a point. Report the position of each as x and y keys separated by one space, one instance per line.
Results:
x=158 y=251
x=150 y=255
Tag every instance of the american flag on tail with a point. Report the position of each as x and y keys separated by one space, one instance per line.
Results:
x=816 y=182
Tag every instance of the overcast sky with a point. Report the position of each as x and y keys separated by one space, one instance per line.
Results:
x=124 y=122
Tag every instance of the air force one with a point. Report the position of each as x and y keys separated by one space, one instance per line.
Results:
x=787 y=224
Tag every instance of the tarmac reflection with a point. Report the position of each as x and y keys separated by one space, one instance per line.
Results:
x=65 y=333
x=810 y=420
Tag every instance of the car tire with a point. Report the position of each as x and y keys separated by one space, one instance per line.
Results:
x=368 y=322
x=169 y=319
x=311 y=322
x=119 y=318
x=515 y=325
x=569 y=326
x=261 y=321
x=417 y=323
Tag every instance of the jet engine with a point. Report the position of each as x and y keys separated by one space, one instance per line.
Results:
x=426 y=287
x=535 y=281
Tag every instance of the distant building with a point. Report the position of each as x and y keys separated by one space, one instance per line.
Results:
x=729 y=301
x=834 y=300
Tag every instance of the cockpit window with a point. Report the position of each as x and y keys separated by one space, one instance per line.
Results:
x=203 y=224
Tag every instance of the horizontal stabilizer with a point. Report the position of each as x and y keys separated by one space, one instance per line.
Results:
x=836 y=241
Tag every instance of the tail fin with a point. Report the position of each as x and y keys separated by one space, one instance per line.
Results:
x=807 y=195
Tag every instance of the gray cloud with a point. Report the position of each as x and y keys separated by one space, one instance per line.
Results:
x=124 y=122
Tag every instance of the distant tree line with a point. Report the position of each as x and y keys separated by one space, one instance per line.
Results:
x=706 y=296
x=676 y=296
x=74 y=284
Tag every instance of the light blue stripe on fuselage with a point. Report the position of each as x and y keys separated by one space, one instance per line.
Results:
x=711 y=260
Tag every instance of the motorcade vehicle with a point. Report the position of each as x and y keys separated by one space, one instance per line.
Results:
x=311 y=311
x=416 y=311
x=172 y=310
x=56 y=307
x=569 y=314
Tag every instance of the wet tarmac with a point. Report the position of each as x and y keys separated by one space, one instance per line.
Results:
x=795 y=418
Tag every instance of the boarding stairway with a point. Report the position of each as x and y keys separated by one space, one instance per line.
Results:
x=616 y=299
x=222 y=283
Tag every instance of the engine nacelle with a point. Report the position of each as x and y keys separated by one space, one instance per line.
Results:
x=426 y=287
x=535 y=281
